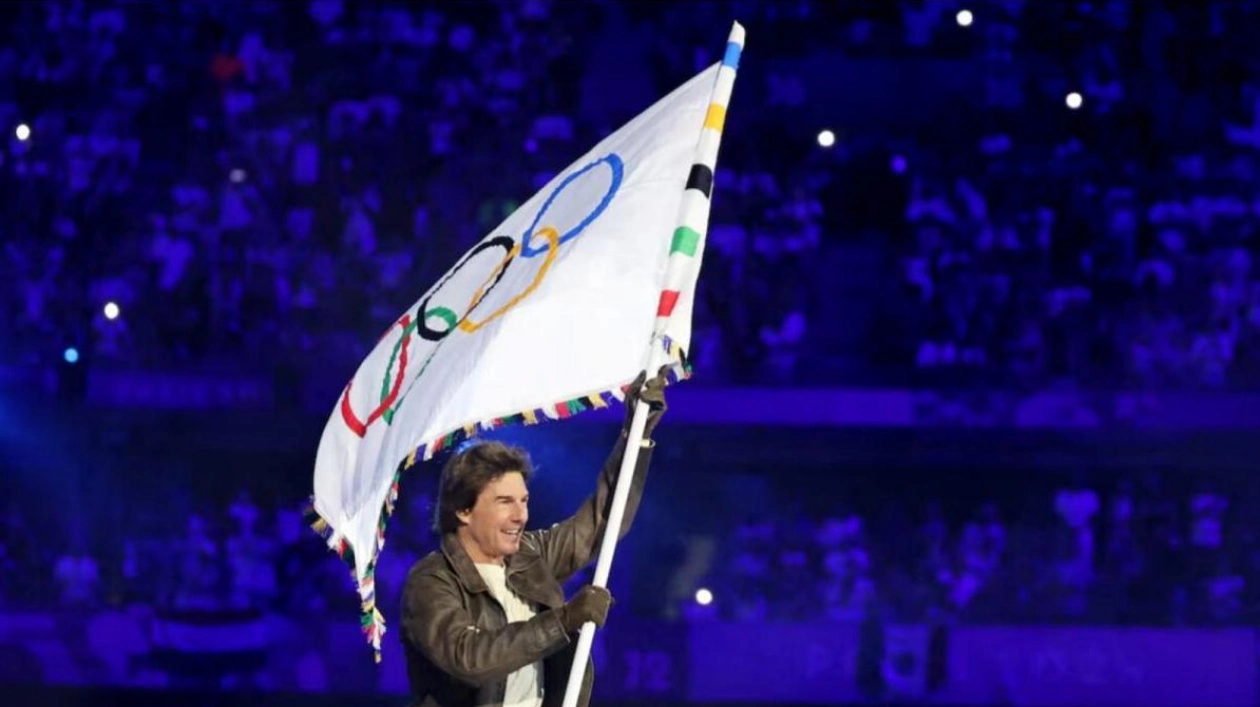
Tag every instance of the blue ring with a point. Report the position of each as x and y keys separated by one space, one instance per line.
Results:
x=618 y=169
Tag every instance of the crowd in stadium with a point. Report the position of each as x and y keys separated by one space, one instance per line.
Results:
x=274 y=181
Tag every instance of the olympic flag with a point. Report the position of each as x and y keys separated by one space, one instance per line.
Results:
x=554 y=312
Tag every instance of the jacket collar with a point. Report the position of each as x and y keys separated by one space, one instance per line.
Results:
x=463 y=565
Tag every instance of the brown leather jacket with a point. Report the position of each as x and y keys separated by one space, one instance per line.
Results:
x=460 y=648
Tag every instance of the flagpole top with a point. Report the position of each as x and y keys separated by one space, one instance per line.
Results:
x=737 y=33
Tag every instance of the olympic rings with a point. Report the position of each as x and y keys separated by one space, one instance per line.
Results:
x=389 y=391
x=617 y=168
x=422 y=315
x=553 y=245
x=391 y=396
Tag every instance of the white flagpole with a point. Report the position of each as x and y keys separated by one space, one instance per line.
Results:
x=706 y=154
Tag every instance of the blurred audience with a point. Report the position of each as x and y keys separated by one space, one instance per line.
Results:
x=230 y=176
x=230 y=179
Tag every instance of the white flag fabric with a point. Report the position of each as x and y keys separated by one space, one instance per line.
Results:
x=553 y=312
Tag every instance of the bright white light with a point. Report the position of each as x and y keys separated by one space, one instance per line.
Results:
x=23 y=131
x=964 y=18
x=237 y=176
x=1073 y=100
x=704 y=597
x=826 y=138
x=111 y=311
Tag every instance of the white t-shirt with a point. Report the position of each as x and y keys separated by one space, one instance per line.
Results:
x=525 y=686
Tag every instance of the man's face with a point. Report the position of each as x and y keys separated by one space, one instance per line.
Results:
x=493 y=526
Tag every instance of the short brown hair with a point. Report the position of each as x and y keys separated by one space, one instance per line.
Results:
x=468 y=472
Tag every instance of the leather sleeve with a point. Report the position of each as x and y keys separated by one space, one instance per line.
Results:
x=436 y=622
x=569 y=545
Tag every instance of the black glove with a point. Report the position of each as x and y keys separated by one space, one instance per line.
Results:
x=589 y=604
x=651 y=392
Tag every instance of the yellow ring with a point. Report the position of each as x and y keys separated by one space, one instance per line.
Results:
x=553 y=245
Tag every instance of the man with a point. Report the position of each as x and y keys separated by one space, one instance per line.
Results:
x=484 y=620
